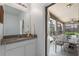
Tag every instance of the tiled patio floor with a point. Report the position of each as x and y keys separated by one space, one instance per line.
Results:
x=61 y=51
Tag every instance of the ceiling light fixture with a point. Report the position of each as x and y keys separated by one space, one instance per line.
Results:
x=68 y=5
x=21 y=4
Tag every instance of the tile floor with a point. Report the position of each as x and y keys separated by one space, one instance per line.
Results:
x=61 y=51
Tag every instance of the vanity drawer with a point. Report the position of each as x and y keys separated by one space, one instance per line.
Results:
x=15 y=52
x=19 y=44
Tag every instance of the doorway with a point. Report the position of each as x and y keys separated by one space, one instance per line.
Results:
x=46 y=18
x=56 y=28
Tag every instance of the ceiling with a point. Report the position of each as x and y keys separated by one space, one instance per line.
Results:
x=64 y=13
x=12 y=10
x=17 y=6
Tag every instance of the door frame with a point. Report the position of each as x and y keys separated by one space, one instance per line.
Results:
x=46 y=16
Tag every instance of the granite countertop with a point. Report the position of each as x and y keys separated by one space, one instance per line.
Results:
x=15 y=39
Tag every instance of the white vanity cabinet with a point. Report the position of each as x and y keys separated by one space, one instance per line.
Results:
x=2 y=50
x=19 y=51
x=23 y=48
x=30 y=50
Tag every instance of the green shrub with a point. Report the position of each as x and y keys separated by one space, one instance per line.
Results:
x=71 y=33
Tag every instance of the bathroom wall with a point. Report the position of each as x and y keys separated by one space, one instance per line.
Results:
x=38 y=18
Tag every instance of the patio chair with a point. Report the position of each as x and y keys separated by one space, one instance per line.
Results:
x=59 y=42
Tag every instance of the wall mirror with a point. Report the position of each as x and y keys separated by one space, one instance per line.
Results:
x=15 y=21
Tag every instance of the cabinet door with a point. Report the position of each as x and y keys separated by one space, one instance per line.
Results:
x=2 y=50
x=30 y=50
x=15 y=52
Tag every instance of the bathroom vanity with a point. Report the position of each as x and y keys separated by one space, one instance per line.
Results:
x=25 y=47
x=16 y=26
